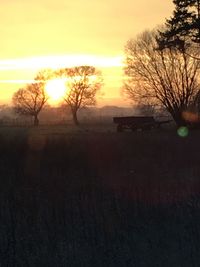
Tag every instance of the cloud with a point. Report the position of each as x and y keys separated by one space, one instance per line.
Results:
x=60 y=62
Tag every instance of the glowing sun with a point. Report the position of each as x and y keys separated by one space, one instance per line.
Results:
x=56 y=89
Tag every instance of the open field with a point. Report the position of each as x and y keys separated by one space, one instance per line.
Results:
x=94 y=197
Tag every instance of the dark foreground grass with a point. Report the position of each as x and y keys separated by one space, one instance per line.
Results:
x=89 y=198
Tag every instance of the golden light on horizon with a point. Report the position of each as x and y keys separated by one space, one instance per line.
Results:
x=18 y=72
x=49 y=40
x=56 y=89
x=62 y=61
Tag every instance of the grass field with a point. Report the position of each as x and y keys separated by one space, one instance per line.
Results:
x=94 y=197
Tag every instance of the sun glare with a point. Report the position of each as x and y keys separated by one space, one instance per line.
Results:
x=56 y=89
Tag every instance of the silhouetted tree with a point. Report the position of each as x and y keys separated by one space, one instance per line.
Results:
x=183 y=28
x=30 y=100
x=167 y=77
x=83 y=83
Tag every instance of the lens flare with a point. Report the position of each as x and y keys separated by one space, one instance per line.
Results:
x=183 y=131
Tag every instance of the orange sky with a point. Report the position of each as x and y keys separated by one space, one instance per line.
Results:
x=39 y=33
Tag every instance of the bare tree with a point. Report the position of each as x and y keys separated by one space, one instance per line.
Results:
x=83 y=83
x=168 y=77
x=30 y=100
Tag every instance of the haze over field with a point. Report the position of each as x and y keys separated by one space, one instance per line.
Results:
x=37 y=35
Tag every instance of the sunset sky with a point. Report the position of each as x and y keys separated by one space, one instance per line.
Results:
x=36 y=34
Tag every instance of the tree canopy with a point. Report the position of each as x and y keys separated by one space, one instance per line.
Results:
x=183 y=28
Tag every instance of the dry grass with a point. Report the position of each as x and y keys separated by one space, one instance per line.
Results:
x=93 y=197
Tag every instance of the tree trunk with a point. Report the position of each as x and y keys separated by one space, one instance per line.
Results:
x=178 y=118
x=75 y=119
x=36 y=121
